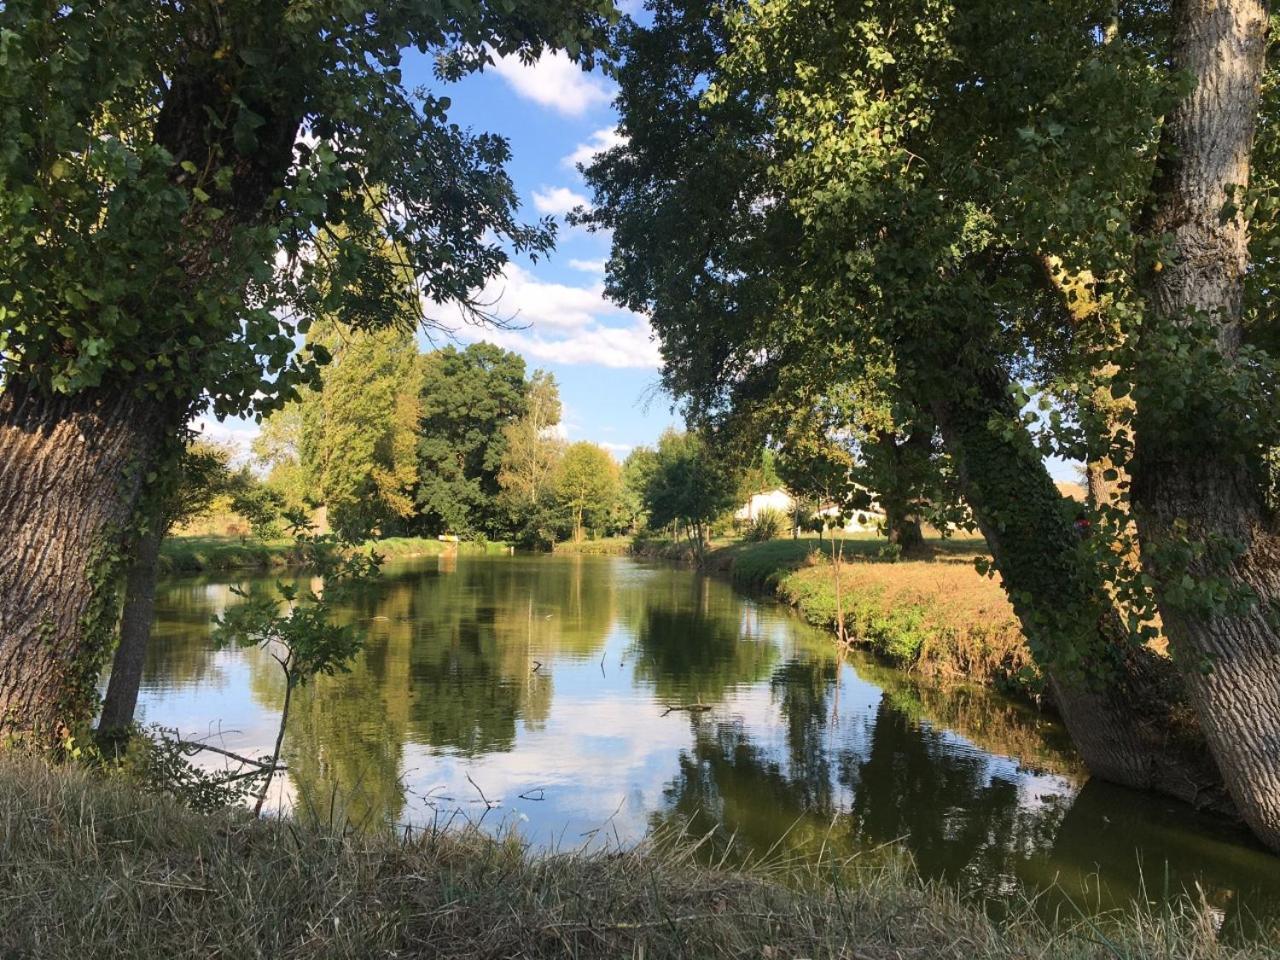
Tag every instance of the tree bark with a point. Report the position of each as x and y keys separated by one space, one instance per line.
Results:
x=1121 y=702
x=135 y=633
x=1196 y=482
x=71 y=470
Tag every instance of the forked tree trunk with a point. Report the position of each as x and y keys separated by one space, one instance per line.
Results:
x=1195 y=483
x=1122 y=703
x=71 y=470
x=121 y=698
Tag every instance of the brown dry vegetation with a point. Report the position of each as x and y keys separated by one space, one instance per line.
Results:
x=935 y=615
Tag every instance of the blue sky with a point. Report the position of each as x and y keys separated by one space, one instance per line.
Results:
x=554 y=115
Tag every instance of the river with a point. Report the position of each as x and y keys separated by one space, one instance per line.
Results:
x=552 y=696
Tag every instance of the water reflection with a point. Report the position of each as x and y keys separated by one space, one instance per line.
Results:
x=562 y=688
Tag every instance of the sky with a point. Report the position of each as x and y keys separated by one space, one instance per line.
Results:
x=555 y=115
x=604 y=358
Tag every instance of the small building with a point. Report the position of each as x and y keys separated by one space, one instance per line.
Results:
x=775 y=499
x=862 y=521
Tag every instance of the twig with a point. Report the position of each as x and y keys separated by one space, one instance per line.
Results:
x=196 y=745
x=691 y=708
x=489 y=804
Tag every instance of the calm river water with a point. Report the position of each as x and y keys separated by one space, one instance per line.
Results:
x=556 y=688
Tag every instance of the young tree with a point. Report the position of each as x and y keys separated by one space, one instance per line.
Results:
x=588 y=482
x=159 y=218
x=467 y=399
x=529 y=464
x=297 y=626
x=359 y=432
x=688 y=487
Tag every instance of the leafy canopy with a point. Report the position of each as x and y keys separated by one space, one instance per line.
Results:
x=173 y=177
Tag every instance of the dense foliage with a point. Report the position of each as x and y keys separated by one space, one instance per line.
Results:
x=986 y=234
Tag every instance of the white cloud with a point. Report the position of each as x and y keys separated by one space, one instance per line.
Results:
x=517 y=296
x=554 y=81
x=631 y=346
x=561 y=323
x=558 y=200
x=619 y=450
x=588 y=266
x=598 y=142
x=234 y=432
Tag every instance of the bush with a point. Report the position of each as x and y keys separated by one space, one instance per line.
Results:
x=769 y=524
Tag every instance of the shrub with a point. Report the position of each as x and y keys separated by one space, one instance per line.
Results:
x=769 y=524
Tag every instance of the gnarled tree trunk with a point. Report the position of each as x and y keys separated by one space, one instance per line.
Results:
x=71 y=470
x=1122 y=703
x=1196 y=481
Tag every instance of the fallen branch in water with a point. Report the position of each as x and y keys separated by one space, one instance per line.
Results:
x=191 y=746
x=691 y=708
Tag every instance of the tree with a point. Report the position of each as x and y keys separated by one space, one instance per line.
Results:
x=870 y=219
x=166 y=175
x=359 y=432
x=467 y=398
x=688 y=487
x=203 y=474
x=278 y=449
x=637 y=471
x=1200 y=493
x=587 y=482
x=529 y=464
x=295 y=625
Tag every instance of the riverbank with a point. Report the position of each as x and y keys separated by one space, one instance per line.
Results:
x=212 y=553
x=605 y=546
x=934 y=615
x=95 y=868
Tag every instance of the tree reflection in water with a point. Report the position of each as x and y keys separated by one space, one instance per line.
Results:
x=569 y=680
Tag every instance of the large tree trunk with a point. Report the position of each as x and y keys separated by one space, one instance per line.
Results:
x=71 y=469
x=1122 y=703
x=1200 y=507
x=135 y=632
x=902 y=525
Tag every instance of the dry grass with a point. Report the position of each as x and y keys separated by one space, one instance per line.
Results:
x=91 y=869
x=944 y=618
x=936 y=615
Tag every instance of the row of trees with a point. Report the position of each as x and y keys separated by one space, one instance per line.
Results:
x=925 y=218
x=465 y=442
x=452 y=441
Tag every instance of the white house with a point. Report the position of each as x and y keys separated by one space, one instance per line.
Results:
x=862 y=521
x=776 y=499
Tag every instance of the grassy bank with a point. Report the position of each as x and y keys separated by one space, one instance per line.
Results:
x=206 y=553
x=935 y=615
x=605 y=546
x=94 y=869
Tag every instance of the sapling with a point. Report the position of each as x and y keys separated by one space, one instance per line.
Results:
x=296 y=625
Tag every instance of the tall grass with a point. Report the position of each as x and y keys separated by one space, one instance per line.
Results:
x=93 y=869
